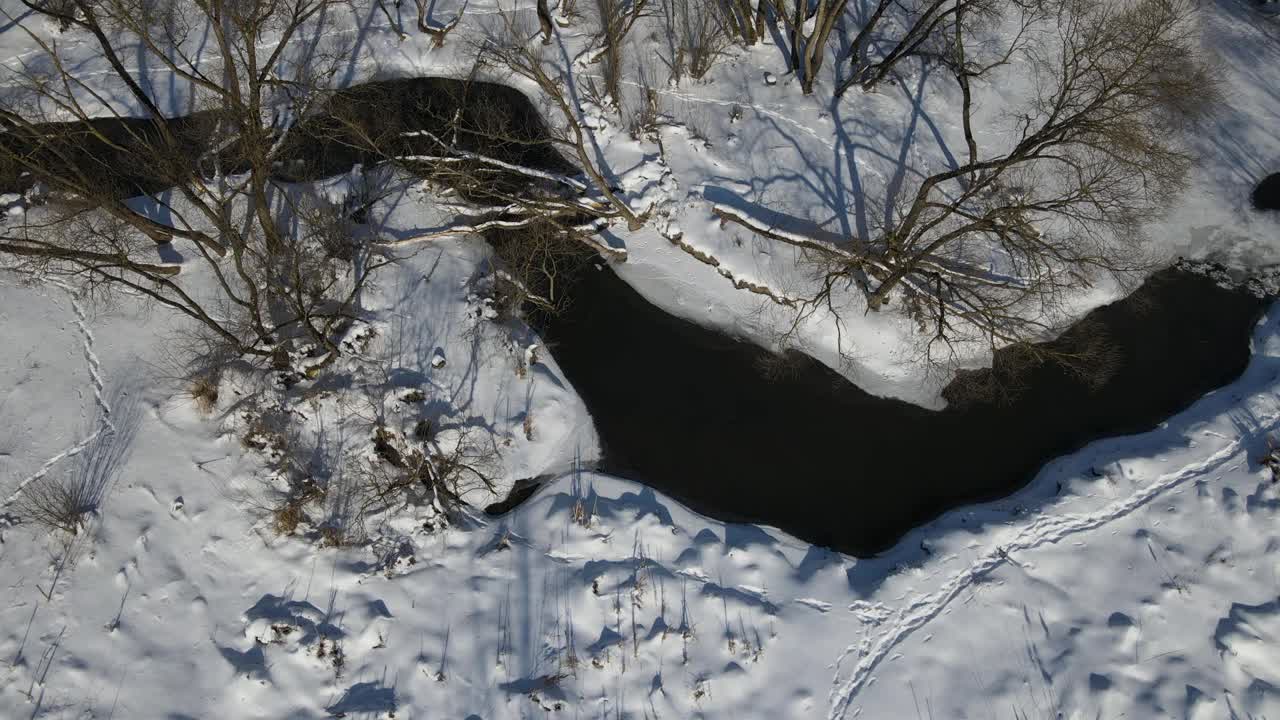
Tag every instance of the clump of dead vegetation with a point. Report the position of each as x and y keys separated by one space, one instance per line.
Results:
x=56 y=503
x=204 y=392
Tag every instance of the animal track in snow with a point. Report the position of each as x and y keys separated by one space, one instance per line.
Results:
x=95 y=379
x=1045 y=530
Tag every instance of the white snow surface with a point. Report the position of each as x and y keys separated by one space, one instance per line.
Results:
x=1136 y=578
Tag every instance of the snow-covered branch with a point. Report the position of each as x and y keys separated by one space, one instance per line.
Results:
x=456 y=155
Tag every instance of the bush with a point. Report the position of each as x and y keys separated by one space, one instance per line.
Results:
x=286 y=518
x=56 y=504
x=204 y=391
x=696 y=36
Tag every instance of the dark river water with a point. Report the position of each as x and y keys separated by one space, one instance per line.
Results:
x=689 y=411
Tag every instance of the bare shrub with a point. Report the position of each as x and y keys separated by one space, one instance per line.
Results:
x=294 y=491
x=56 y=503
x=646 y=113
x=615 y=20
x=644 y=109
x=63 y=502
x=264 y=432
x=535 y=266
x=204 y=391
x=1084 y=353
x=1271 y=460
x=333 y=536
x=698 y=36
x=778 y=366
x=436 y=473
x=286 y=518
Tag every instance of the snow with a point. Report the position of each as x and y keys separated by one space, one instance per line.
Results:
x=1135 y=578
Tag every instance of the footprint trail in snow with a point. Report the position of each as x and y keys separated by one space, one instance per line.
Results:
x=95 y=378
x=1044 y=531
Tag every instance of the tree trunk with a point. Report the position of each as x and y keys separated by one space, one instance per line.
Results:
x=544 y=20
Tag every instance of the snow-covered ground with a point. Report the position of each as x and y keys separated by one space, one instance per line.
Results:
x=1137 y=578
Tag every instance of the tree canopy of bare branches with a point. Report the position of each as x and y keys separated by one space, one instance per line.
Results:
x=698 y=32
x=598 y=200
x=211 y=172
x=987 y=250
x=929 y=24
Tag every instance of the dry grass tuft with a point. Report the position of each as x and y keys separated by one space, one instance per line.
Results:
x=332 y=536
x=204 y=391
x=55 y=504
x=286 y=518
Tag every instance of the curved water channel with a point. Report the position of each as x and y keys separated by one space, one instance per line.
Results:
x=691 y=412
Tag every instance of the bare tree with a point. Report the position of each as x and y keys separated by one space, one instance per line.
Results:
x=929 y=23
x=986 y=250
x=393 y=20
x=616 y=18
x=698 y=35
x=809 y=28
x=745 y=19
x=545 y=23
x=211 y=173
x=437 y=31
